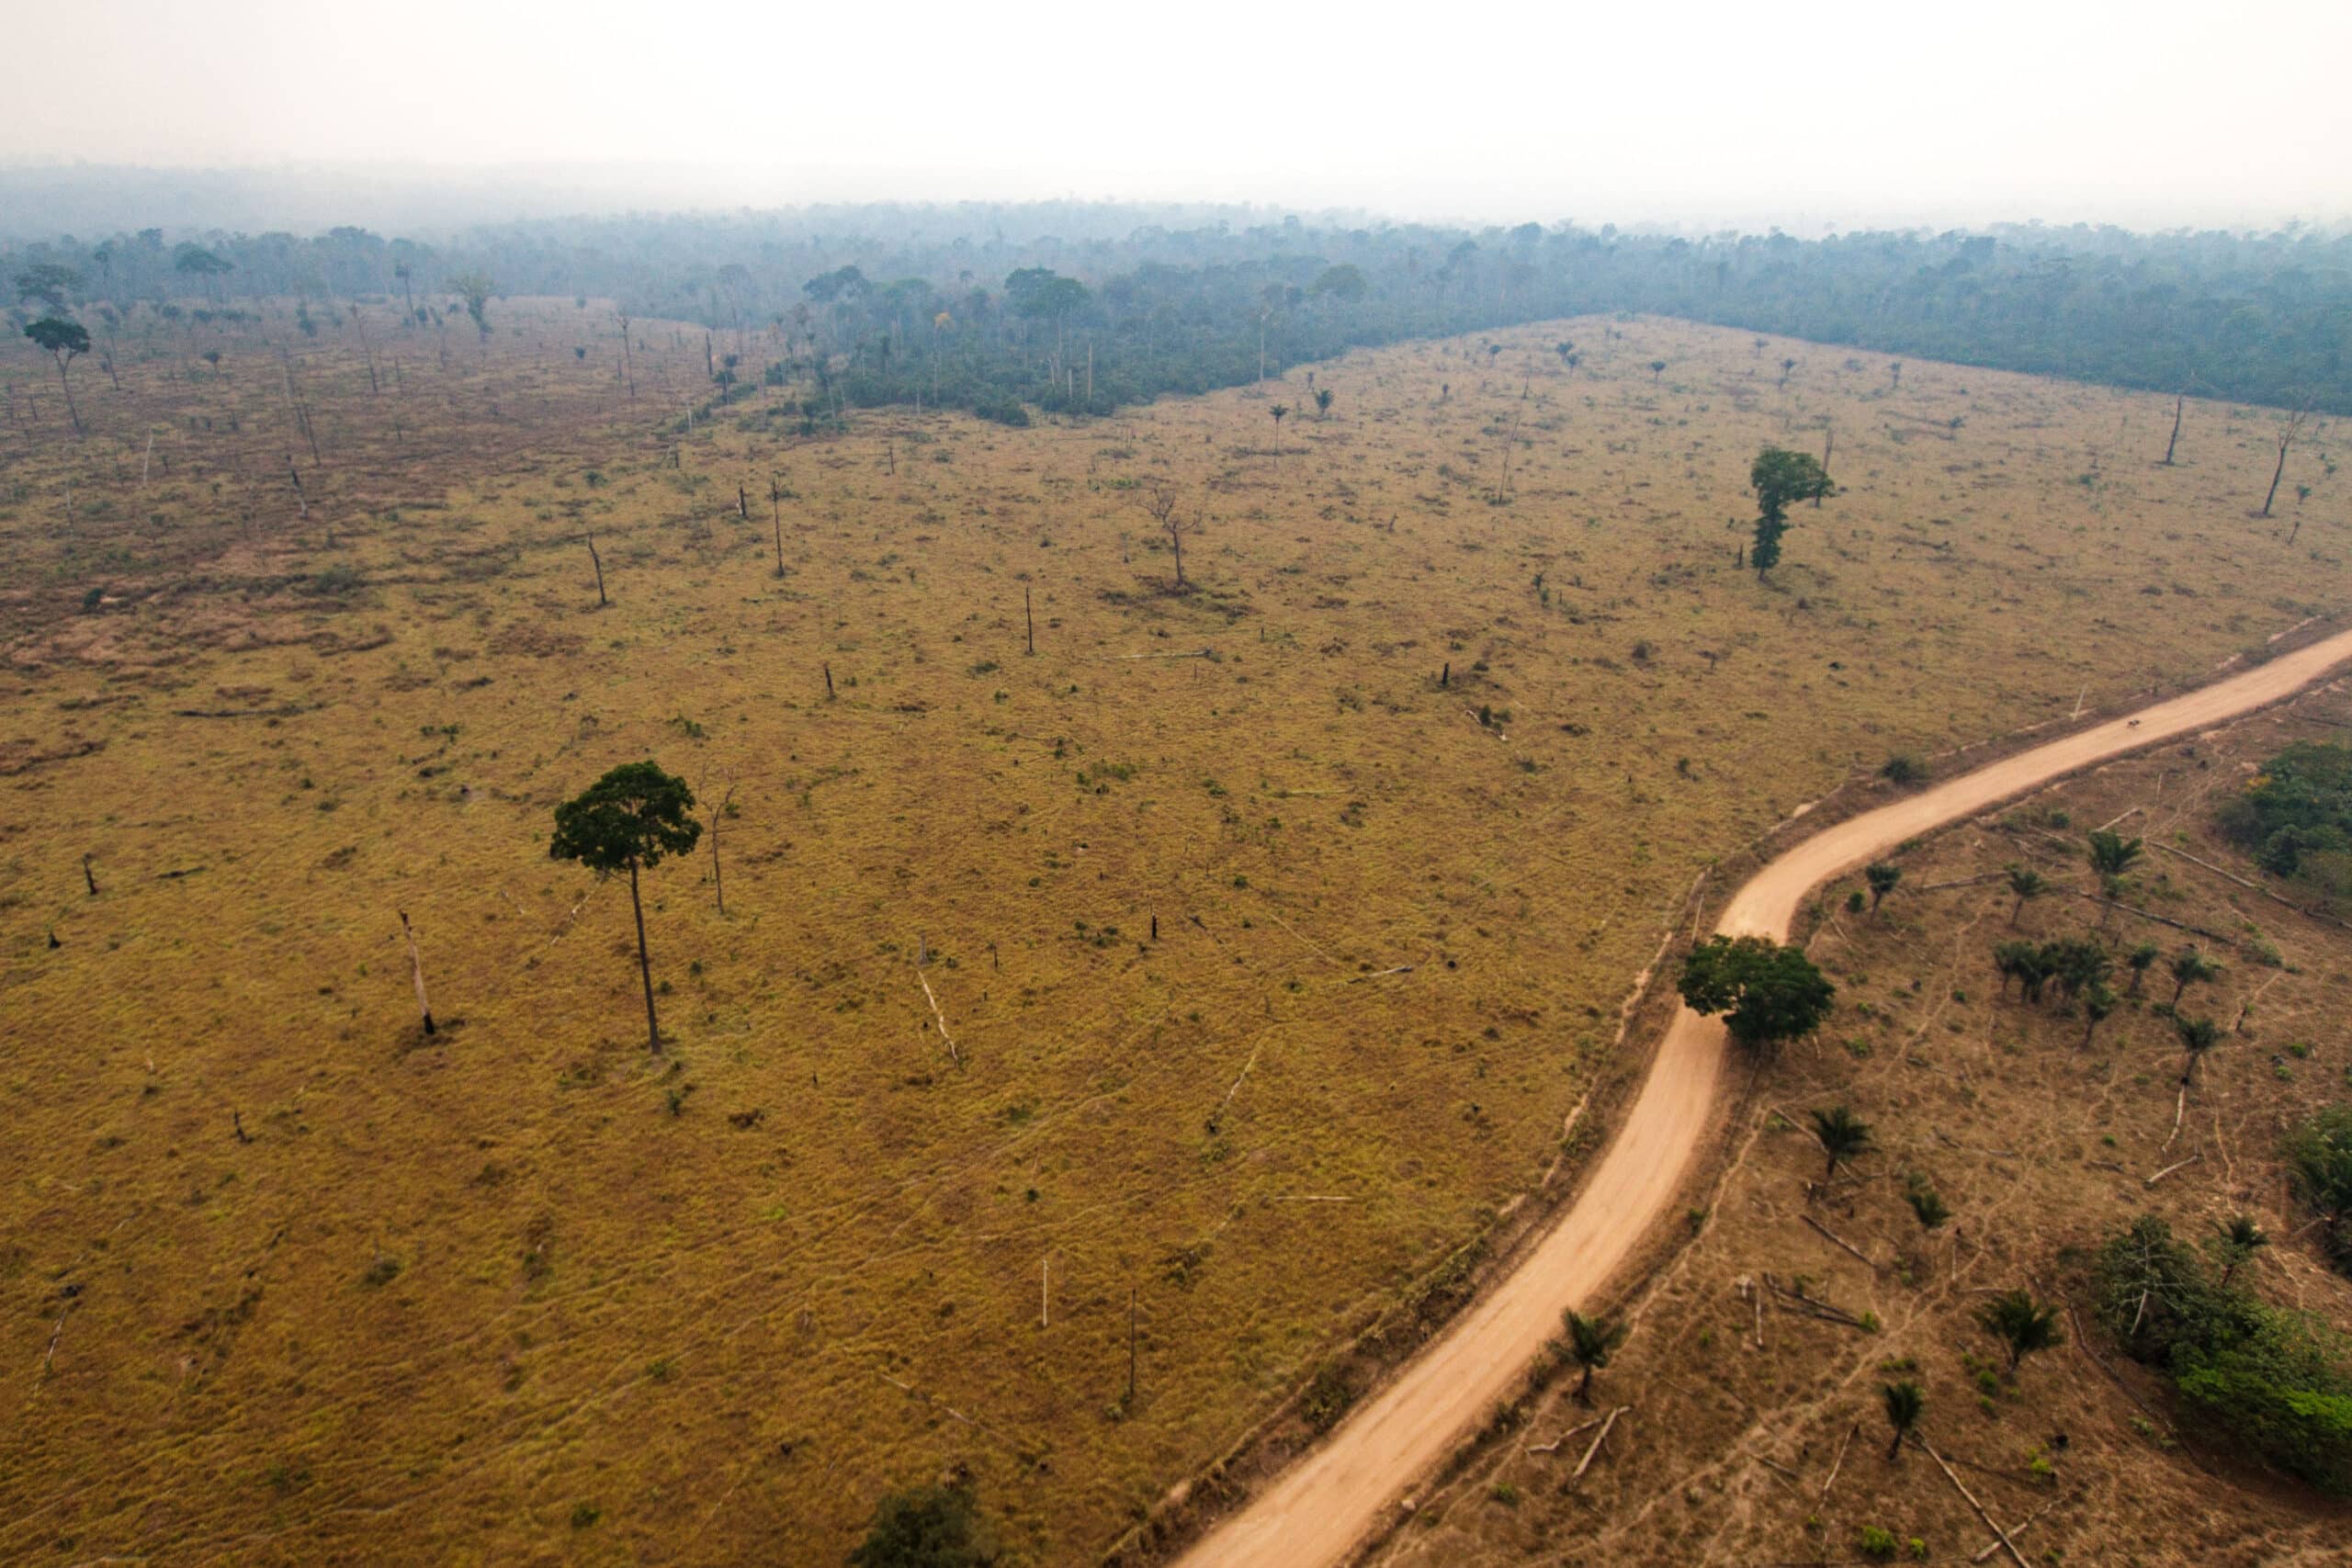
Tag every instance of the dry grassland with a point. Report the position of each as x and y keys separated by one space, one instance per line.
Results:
x=521 y=1293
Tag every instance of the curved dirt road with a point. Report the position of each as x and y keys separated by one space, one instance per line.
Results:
x=1320 y=1509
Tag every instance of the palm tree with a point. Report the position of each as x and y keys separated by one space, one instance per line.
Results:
x=2197 y=1035
x=1657 y=368
x=2111 y=855
x=2078 y=964
x=2022 y=1323
x=1591 y=1341
x=1905 y=1401
x=2239 y=1240
x=1882 y=876
x=1842 y=1134
x=2190 y=967
x=2142 y=959
x=1281 y=412
x=2028 y=884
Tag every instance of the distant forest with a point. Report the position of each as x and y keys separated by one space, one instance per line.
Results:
x=1071 y=307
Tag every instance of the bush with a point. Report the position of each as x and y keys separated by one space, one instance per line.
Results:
x=2279 y=1383
x=1904 y=770
x=927 y=1526
x=2320 y=1155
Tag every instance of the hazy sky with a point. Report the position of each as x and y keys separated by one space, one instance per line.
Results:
x=2148 y=112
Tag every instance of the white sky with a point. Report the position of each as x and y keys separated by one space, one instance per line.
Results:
x=2151 y=112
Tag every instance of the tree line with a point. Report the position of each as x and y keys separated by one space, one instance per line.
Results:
x=1084 y=308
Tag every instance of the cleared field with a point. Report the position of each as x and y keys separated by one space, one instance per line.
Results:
x=328 y=1290
x=2043 y=1136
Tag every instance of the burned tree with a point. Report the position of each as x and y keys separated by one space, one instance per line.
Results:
x=2286 y=439
x=1162 y=499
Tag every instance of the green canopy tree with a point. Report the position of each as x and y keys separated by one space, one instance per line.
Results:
x=1882 y=876
x=64 y=342
x=1766 y=991
x=631 y=819
x=49 y=282
x=1781 y=478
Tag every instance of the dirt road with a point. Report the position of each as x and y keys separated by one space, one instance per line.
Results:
x=1317 y=1512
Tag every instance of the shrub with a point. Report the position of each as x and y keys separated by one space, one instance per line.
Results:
x=1904 y=770
x=2279 y=1383
x=2319 y=1153
x=927 y=1526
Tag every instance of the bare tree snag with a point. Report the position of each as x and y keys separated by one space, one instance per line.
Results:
x=1160 y=499
x=590 y=540
x=89 y=878
x=2180 y=403
x=742 y=504
x=629 y=366
x=2286 y=439
x=776 y=505
x=828 y=682
x=718 y=876
x=295 y=474
x=416 y=973
x=1030 y=616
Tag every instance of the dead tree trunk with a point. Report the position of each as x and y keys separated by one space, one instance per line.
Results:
x=776 y=505
x=1029 y=615
x=2180 y=403
x=416 y=973
x=598 y=561
x=2286 y=439
x=718 y=876
x=89 y=878
x=629 y=366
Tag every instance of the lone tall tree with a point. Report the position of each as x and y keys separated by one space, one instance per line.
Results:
x=630 y=821
x=1780 y=479
x=64 y=342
